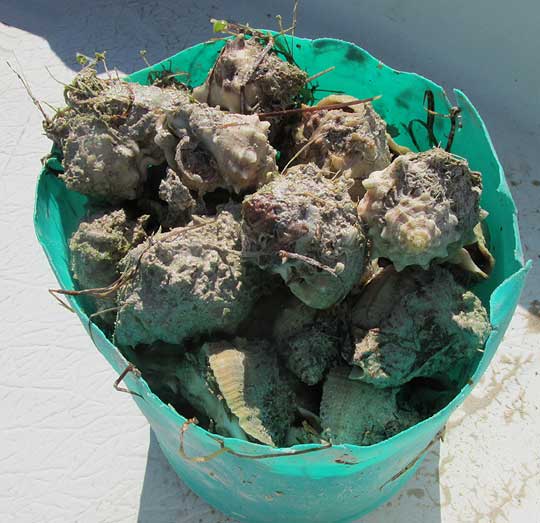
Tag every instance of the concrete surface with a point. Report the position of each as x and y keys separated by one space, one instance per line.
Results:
x=71 y=448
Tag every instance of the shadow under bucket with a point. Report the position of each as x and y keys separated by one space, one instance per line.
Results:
x=311 y=483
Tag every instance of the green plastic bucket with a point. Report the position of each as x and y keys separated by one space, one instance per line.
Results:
x=257 y=483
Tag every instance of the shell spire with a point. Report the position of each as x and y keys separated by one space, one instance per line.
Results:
x=423 y=207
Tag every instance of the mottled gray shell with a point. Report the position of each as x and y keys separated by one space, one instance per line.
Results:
x=423 y=207
x=303 y=226
x=358 y=413
x=96 y=248
x=308 y=340
x=247 y=375
x=188 y=282
x=416 y=323
x=351 y=142
x=247 y=79
x=179 y=204
x=131 y=109
x=99 y=162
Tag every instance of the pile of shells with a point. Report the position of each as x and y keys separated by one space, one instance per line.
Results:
x=281 y=303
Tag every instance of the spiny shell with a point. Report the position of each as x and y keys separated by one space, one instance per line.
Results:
x=349 y=141
x=239 y=75
x=107 y=134
x=220 y=149
x=247 y=375
x=188 y=282
x=416 y=323
x=360 y=414
x=421 y=208
x=304 y=227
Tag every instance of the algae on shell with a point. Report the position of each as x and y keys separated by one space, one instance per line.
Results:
x=96 y=248
x=308 y=340
x=359 y=413
x=247 y=78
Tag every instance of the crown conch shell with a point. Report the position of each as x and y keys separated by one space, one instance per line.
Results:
x=247 y=78
x=218 y=149
x=308 y=340
x=351 y=141
x=423 y=207
x=413 y=324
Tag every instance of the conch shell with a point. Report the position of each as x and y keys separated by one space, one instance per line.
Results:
x=421 y=208
x=416 y=323
x=358 y=413
x=349 y=141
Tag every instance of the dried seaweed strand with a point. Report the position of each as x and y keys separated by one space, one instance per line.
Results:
x=306 y=259
x=312 y=140
x=313 y=109
x=319 y=74
x=28 y=90
x=223 y=449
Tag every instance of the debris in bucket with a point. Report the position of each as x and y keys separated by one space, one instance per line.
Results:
x=283 y=271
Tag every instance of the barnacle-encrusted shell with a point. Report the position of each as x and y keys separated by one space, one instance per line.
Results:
x=247 y=375
x=349 y=141
x=99 y=162
x=108 y=134
x=131 y=109
x=304 y=227
x=358 y=413
x=219 y=149
x=422 y=207
x=188 y=282
x=96 y=247
x=308 y=340
x=416 y=323
x=242 y=82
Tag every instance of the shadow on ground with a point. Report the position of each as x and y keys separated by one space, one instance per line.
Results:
x=165 y=498
x=124 y=27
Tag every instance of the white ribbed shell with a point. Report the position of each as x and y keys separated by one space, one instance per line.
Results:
x=422 y=207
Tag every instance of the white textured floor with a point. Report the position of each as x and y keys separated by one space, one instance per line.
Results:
x=71 y=448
